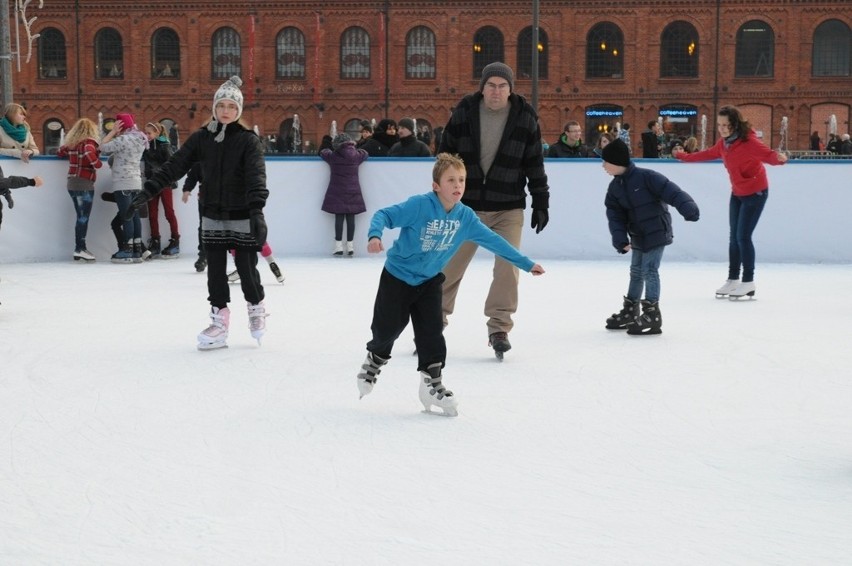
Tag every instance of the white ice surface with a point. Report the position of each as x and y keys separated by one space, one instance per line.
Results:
x=726 y=440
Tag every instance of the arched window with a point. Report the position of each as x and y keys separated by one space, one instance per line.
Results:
x=755 y=50
x=355 y=54
x=487 y=48
x=227 y=60
x=165 y=54
x=420 y=53
x=109 y=54
x=679 y=50
x=51 y=54
x=605 y=52
x=832 y=49
x=290 y=54
x=52 y=135
x=525 y=53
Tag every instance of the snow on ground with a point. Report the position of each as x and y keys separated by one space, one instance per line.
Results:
x=723 y=441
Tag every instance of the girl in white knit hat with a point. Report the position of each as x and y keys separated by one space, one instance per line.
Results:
x=234 y=173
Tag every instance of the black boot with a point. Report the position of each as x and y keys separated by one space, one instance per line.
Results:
x=620 y=320
x=649 y=322
x=201 y=262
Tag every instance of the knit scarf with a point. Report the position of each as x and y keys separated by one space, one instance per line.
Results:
x=17 y=133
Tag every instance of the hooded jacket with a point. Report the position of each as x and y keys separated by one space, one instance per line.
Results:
x=343 y=195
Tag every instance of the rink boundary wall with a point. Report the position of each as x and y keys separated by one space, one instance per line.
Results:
x=809 y=202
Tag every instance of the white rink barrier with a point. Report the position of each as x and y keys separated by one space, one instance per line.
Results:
x=809 y=202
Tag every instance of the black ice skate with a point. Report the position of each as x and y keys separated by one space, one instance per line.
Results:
x=620 y=320
x=649 y=322
x=500 y=342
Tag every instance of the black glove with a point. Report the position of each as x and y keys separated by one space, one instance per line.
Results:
x=539 y=219
x=141 y=199
x=7 y=194
x=258 y=226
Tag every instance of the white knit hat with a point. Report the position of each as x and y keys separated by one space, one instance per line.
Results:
x=230 y=90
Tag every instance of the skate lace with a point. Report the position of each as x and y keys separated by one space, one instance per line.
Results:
x=217 y=324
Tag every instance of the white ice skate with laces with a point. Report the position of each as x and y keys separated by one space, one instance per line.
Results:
x=744 y=290
x=257 y=320
x=216 y=335
x=723 y=291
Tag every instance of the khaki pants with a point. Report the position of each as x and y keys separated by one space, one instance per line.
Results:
x=502 y=300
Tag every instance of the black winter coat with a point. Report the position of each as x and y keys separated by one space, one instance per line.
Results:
x=379 y=144
x=158 y=152
x=233 y=170
x=519 y=161
x=637 y=211
x=562 y=149
x=409 y=146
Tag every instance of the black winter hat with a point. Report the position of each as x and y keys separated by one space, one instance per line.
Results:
x=616 y=152
x=407 y=123
x=497 y=69
x=383 y=125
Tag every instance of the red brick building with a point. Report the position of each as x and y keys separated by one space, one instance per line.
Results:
x=600 y=62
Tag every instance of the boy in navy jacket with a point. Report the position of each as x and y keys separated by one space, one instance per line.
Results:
x=432 y=227
x=639 y=220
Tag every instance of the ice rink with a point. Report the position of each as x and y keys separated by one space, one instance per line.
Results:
x=725 y=440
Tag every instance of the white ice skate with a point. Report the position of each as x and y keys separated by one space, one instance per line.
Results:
x=723 y=291
x=216 y=335
x=257 y=320
x=234 y=277
x=84 y=256
x=744 y=290
x=434 y=394
x=370 y=370
x=276 y=271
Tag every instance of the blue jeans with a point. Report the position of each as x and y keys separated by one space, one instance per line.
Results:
x=645 y=273
x=744 y=212
x=83 y=206
x=133 y=227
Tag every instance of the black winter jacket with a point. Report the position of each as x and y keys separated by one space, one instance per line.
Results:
x=637 y=211
x=519 y=161
x=234 y=172
x=562 y=149
x=158 y=152
x=409 y=146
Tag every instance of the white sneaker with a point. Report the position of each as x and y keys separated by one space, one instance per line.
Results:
x=433 y=393
x=370 y=370
x=257 y=320
x=84 y=256
x=744 y=289
x=215 y=335
x=729 y=286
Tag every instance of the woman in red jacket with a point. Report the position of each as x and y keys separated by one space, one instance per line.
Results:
x=743 y=156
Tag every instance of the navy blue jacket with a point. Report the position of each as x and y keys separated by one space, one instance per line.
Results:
x=636 y=208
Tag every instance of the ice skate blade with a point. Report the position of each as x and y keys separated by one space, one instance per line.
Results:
x=649 y=333
x=215 y=346
x=449 y=412
x=83 y=260
x=498 y=355
x=749 y=296
x=721 y=295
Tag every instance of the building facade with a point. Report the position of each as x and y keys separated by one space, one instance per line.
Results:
x=320 y=65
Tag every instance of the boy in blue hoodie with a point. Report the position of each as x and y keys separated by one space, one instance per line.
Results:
x=432 y=227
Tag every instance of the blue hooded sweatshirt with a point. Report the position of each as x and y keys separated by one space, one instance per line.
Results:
x=429 y=237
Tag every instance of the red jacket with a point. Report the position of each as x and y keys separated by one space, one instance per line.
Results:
x=84 y=159
x=744 y=161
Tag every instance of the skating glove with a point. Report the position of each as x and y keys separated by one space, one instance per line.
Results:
x=7 y=194
x=540 y=216
x=258 y=226
x=539 y=219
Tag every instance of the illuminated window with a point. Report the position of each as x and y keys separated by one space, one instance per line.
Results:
x=525 y=53
x=487 y=48
x=605 y=52
x=679 y=51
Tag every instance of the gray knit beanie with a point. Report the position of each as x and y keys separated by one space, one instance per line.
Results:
x=501 y=70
